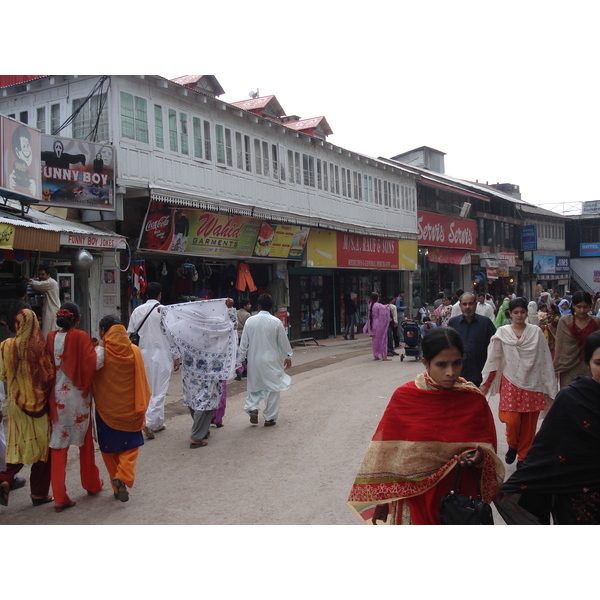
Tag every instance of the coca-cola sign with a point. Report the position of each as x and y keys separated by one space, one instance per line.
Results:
x=446 y=232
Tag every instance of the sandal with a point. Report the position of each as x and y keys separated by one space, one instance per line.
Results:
x=4 y=492
x=121 y=494
x=269 y=423
x=61 y=507
x=198 y=444
x=254 y=417
x=40 y=501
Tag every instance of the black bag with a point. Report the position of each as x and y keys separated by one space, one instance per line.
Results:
x=456 y=509
x=134 y=336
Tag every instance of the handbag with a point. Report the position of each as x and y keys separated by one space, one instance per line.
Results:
x=134 y=336
x=459 y=509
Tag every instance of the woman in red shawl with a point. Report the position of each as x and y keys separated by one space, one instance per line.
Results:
x=76 y=362
x=429 y=426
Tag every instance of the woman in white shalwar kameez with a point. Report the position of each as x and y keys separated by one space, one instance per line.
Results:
x=204 y=335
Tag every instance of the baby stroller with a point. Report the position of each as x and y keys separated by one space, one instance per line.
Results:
x=412 y=339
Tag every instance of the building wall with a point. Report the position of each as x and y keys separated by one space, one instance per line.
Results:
x=383 y=204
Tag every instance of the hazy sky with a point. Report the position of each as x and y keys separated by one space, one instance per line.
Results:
x=507 y=90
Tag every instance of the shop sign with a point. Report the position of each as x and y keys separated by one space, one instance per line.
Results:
x=445 y=232
x=589 y=249
x=101 y=242
x=479 y=277
x=551 y=264
x=596 y=276
x=20 y=167
x=281 y=241
x=356 y=251
x=7 y=236
x=177 y=230
x=491 y=273
x=77 y=174
x=449 y=256
x=528 y=238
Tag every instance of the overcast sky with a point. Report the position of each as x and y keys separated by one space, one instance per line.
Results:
x=508 y=91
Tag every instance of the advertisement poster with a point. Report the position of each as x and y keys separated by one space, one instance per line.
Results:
x=544 y=264
x=281 y=241
x=7 y=236
x=20 y=170
x=77 y=173
x=589 y=249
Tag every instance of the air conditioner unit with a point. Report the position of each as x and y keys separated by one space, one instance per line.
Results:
x=465 y=210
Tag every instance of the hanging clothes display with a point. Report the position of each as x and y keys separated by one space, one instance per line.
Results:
x=244 y=279
x=279 y=292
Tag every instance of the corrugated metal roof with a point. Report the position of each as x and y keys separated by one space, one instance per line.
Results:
x=311 y=123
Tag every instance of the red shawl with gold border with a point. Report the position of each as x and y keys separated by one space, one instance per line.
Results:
x=412 y=451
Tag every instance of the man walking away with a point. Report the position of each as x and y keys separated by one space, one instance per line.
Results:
x=159 y=361
x=267 y=350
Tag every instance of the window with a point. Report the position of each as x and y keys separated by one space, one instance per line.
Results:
x=305 y=169
x=274 y=159
x=349 y=183
x=265 y=157
x=257 y=157
x=183 y=123
x=159 y=133
x=173 y=144
x=228 y=147
x=220 y=144
x=248 y=153
x=291 y=166
x=41 y=119
x=356 y=184
x=282 y=162
x=325 y=176
x=197 y=135
x=91 y=121
x=207 y=142
x=297 y=167
x=319 y=174
x=344 y=190
x=239 y=151
x=134 y=118
x=24 y=117
x=55 y=117
x=337 y=180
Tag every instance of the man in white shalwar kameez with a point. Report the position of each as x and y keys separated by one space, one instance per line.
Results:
x=267 y=350
x=48 y=286
x=158 y=357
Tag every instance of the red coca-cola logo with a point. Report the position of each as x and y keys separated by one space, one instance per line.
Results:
x=158 y=232
x=161 y=223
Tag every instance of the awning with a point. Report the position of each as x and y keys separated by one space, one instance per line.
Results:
x=449 y=256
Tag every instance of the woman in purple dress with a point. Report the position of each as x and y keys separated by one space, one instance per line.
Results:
x=378 y=322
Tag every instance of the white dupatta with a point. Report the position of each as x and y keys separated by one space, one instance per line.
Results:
x=524 y=361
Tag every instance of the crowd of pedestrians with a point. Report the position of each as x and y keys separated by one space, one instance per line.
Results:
x=529 y=352
x=65 y=388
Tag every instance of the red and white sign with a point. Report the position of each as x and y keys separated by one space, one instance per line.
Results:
x=446 y=232
x=92 y=241
x=366 y=252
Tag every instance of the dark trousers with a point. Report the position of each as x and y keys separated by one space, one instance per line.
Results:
x=39 y=480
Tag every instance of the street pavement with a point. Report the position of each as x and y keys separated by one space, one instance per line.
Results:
x=298 y=472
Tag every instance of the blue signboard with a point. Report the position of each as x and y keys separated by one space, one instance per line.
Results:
x=528 y=238
x=589 y=249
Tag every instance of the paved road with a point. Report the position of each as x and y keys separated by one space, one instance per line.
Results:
x=298 y=472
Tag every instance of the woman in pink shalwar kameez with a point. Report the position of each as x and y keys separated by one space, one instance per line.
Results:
x=378 y=322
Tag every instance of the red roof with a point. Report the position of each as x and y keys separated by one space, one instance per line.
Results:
x=311 y=124
x=6 y=80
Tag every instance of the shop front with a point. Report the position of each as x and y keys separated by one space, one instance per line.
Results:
x=338 y=263
x=201 y=254
x=497 y=273
x=444 y=258
x=74 y=254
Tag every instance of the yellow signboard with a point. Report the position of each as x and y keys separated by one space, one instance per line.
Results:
x=7 y=236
